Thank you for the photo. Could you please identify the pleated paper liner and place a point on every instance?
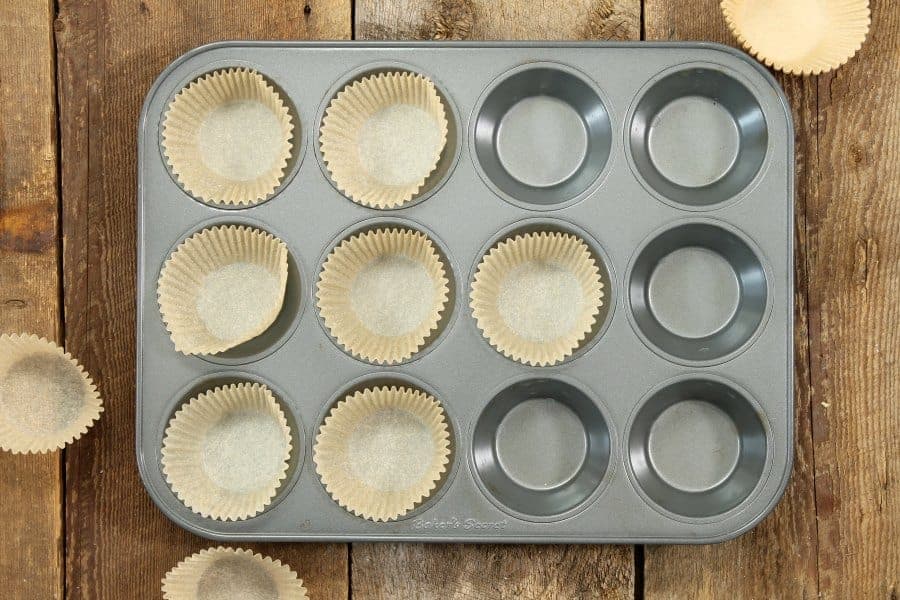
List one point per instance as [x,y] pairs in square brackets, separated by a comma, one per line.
[232,573]
[47,400]
[381,293]
[222,287]
[536,296]
[382,136]
[802,37]
[382,451]
[228,137]
[226,452]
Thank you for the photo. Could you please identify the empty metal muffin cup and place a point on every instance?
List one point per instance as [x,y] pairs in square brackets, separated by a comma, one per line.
[697,447]
[542,135]
[541,448]
[698,136]
[698,292]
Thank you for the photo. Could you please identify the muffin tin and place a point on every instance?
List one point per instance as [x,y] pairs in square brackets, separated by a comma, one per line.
[672,423]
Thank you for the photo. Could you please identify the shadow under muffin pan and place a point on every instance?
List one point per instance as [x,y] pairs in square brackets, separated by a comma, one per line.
[673,161]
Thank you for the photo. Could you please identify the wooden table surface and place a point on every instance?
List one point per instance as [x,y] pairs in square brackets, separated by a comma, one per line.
[78,524]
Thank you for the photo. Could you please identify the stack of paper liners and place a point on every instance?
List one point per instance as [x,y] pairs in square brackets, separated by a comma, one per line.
[802,37]
[226,452]
[227,137]
[222,287]
[232,573]
[536,297]
[381,293]
[47,399]
[382,136]
[382,451]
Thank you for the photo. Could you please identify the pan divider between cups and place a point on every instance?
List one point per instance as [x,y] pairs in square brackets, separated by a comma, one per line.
[697,137]
[541,135]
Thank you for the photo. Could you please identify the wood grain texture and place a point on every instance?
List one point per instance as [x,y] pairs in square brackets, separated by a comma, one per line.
[498,19]
[492,571]
[118,544]
[31,559]
[854,318]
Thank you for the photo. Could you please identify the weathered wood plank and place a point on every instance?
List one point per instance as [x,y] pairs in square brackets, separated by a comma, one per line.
[118,544]
[854,318]
[31,551]
[498,19]
[491,571]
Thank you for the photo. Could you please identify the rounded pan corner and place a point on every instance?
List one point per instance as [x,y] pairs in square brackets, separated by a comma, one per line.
[746,526]
[177,520]
[172,66]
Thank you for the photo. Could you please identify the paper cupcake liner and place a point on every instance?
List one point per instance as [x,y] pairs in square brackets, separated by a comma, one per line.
[529,324]
[226,452]
[783,35]
[222,287]
[47,400]
[231,573]
[379,308]
[378,158]
[238,162]
[382,451]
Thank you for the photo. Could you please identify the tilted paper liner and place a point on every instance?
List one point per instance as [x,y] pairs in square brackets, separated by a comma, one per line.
[373,409]
[246,410]
[47,400]
[183,131]
[219,573]
[799,37]
[344,125]
[187,311]
[342,270]
[567,255]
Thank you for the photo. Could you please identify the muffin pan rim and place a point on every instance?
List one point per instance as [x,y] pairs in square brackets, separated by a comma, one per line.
[298,148]
[307,531]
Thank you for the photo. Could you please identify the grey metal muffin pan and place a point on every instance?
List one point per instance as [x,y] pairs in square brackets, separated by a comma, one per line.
[671,424]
